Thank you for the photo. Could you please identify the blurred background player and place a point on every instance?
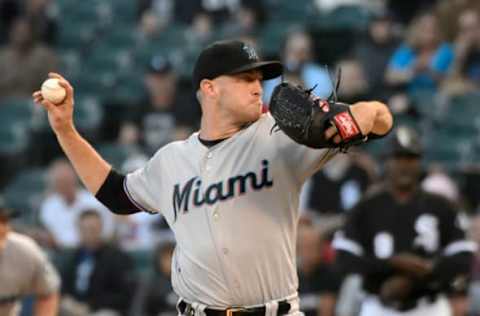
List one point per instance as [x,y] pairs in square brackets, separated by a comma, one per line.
[24,271]
[410,246]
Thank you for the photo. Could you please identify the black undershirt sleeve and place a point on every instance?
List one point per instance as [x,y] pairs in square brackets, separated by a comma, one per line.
[448,270]
[113,195]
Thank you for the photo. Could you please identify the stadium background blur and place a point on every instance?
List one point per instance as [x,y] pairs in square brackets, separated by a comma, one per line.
[130,63]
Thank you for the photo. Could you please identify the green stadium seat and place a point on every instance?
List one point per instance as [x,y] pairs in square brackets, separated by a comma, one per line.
[15,121]
[26,191]
[293,11]
[88,112]
[114,153]
[271,37]
[142,260]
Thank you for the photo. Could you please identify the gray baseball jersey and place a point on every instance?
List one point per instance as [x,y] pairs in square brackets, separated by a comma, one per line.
[24,270]
[233,208]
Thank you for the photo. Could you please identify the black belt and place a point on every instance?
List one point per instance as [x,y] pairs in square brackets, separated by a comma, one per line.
[187,309]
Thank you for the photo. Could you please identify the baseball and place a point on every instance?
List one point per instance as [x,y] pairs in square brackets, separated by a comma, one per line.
[53,91]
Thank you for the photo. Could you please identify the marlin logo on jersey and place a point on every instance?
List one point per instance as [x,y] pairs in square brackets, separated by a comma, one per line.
[191,192]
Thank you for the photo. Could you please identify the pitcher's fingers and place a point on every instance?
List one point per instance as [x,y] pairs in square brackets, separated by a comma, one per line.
[330,132]
[337,139]
[38,100]
[37,94]
[68,88]
[49,106]
[55,75]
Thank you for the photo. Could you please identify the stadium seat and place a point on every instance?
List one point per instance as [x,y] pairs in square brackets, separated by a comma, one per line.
[114,153]
[344,17]
[15,120]
[26,191]
[88,113]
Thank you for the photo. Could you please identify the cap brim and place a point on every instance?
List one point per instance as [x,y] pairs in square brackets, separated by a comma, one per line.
[269,69]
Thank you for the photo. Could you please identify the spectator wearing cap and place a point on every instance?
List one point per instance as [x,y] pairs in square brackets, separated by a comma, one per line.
[24,270]
[166,112]
[297,58]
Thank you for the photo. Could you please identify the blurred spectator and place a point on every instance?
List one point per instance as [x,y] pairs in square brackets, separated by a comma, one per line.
[439,182]
[465,73]
[374,53]
[297,58]
[423,60]
[24,63]
[9,12]
[318,282]
[247,19]
[66,200]
[184,11]
[330,5]
[40,13]
[41,16]
[448,13]
[161,8]
[354,84]
[99,277]
[150,27]
[340,184]
[155,296]
[220,11]
[167,113]
[404,11]
[200,32]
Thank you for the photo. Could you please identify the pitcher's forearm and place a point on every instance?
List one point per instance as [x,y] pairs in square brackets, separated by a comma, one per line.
[89,165]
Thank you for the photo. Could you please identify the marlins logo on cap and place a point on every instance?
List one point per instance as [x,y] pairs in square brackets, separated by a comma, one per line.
[252,54]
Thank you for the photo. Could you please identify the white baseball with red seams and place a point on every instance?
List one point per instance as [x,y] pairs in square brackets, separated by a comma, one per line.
[53,91]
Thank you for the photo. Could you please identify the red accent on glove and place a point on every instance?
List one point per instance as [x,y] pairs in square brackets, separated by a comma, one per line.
[346,125]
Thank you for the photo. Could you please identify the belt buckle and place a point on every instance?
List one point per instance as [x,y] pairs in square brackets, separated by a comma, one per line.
[232,310]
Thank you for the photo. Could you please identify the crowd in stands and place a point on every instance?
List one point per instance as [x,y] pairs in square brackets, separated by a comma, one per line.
[130,63]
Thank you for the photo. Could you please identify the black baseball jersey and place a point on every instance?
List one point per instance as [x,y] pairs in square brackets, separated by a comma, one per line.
[380,227]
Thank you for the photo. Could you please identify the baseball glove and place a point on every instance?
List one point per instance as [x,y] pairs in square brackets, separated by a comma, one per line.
[305,118]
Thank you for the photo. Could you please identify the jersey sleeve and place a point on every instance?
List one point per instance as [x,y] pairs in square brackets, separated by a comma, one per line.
[451,270]
[349,238]
[453,231]
[45,279]
[302,160]
[144,187]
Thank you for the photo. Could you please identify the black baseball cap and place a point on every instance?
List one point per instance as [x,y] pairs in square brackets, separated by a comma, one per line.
[405,143]
[231,57]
